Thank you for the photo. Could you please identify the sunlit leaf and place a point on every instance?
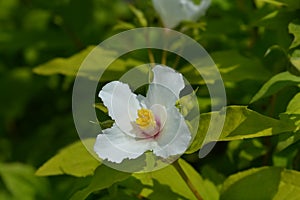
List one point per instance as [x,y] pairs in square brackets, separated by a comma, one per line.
[264,183]
[294,105]
[273,2]
[169,176]
[101,107]
[275,84]
[162,191]
[123,26]
[70,66]
[73,160]
[295,59]
[240,123]
[293,111]
[66,66]
[294,28]
[103,178]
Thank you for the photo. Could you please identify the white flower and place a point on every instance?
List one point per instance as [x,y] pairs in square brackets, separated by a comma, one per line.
[144,123]
[172,12]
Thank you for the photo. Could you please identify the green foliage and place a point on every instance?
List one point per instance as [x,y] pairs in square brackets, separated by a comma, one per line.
[70,66]
[232,70]
[275,84]
[20,183]
[67,162]
[294,105]
[65,66]
[264,183]
[295,60]
[139,15]
[103,178]
[256,47]
[171,177]
[240,68]
[294,28]
[240,123]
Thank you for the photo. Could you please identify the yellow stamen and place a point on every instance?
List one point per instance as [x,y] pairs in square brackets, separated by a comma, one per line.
[146,119]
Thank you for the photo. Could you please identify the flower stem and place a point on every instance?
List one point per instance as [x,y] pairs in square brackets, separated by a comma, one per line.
[187,180]
[164,58]
[151,56]
[177,59]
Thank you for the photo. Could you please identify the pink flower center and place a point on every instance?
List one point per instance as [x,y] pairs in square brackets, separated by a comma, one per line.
[147,123]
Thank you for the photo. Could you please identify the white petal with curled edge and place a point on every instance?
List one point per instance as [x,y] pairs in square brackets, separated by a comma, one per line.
[122,104]
[115,146]
[175,136]
[168,78]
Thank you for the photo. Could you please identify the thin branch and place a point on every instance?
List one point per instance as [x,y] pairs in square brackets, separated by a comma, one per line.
[164,57]
[176,62]
[151,56]
[187,180]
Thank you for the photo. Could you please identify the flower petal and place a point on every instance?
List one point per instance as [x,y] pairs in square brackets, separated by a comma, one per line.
[160,114]
[158,94]
[115,146]
[122,105]
[168,78]
[165,87]
[175,136]
[172,12]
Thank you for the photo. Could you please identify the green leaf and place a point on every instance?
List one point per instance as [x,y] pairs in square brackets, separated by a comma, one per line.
[101,107]
[232,66]
[103,178]
[140,15]
[204,186]
[106,124]
[240,123]
[286,150]
[73,160]
[123,26]
[236,67]
[65,66]
[289,186]
[212,174]
[295,59]
[292,112]
[243,152]
[294,105]
[264,183]
[276,83]
[169,176]
[20,181]
[129,189]
[273,2]
[70,66]
[292,4]
[161,191]
[294,28]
